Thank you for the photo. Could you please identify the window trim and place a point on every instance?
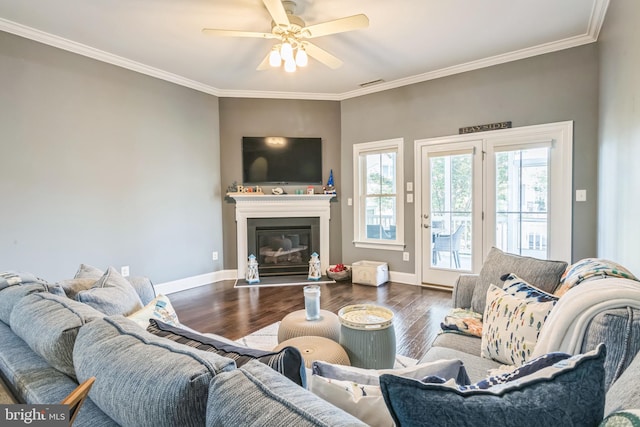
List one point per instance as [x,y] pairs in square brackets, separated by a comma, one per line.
[359,237]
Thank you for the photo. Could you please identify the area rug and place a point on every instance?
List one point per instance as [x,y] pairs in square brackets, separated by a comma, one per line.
[267,338]
[296,280]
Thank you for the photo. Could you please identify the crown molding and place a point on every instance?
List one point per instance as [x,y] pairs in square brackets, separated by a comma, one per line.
[596,20]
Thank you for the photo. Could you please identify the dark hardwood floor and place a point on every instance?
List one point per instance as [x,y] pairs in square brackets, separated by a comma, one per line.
[221,309]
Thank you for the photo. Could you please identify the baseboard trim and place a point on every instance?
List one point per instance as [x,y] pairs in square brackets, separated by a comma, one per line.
[194,281]
[405,278]
[218,276]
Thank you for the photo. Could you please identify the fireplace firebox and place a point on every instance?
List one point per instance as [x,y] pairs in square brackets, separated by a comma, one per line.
[283,246]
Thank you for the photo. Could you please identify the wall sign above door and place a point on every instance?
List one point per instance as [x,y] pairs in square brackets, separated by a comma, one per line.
[484,128]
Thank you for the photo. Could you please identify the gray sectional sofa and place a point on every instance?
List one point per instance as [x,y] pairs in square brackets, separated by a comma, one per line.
[618,328]
[50,343]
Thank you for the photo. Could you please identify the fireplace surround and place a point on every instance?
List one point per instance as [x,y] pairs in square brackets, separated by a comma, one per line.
[281,206]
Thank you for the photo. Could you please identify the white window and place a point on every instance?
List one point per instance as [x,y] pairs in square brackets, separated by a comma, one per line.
[379,205]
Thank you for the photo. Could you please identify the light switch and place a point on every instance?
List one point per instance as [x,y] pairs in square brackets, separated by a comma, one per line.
[349,201]
[410,198]
[409,186]
[581,195]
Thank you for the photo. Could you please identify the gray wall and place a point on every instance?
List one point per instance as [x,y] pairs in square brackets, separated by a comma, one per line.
[104,166]
[619,174]
[549,88]
[278,117]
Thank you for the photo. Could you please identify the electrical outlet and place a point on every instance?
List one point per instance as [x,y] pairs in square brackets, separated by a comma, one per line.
[124,271]
[349,201]
[405,256]
[214,255]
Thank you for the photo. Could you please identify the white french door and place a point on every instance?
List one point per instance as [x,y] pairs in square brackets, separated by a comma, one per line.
[508,188]
[451,206]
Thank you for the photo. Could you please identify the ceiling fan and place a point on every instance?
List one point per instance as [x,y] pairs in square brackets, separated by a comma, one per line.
[293,35]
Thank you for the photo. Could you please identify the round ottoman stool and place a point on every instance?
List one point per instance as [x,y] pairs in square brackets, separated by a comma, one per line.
[296,325]
[317,348]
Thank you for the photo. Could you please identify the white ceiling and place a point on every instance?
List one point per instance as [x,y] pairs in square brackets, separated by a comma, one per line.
[407,41]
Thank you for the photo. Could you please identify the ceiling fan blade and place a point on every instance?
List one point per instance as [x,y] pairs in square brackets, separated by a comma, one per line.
[264,65]
[322,55]
[277,12]
[341,25]
[237,33]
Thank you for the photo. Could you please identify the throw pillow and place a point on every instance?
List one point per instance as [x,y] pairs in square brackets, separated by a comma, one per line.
[111,294]
[357,390]
[544,273]
[568,393]
[442,368]
[288,361]
[589,269]
[71,287]
[512,321]
[463,321]
[86,271]
[159,308]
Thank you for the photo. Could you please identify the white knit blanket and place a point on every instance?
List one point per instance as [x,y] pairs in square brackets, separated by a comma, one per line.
[565,327]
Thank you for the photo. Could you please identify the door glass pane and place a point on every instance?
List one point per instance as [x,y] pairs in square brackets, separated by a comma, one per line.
[522,198]
[451,202]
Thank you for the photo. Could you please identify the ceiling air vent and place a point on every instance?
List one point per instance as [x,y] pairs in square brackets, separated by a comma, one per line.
[371,83]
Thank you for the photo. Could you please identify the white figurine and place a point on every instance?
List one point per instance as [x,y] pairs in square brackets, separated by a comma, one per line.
[314,267]
[252,270]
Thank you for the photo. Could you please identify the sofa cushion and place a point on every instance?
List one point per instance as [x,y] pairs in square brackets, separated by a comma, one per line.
[255,395]
[542,274]
[288,361]
[624,393]
[12,278]
[571,392]
[619,330]
[111,294]
[34,381]
[49,324]
[11,295]
[462,321]
[513,319]
[144,380]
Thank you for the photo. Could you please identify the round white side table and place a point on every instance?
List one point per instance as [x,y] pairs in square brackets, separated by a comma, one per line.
[296,325]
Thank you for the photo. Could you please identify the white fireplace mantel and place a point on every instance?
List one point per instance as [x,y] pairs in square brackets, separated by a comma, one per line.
[281,206]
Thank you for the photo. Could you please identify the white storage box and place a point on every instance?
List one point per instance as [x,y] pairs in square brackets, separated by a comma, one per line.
[370,273]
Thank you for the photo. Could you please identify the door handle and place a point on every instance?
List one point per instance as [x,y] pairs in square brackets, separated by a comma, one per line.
[426,226]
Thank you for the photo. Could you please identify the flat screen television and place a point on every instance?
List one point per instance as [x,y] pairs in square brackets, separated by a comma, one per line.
[281,160]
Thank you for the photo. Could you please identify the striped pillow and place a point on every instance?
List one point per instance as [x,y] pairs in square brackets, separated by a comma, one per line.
[288,361]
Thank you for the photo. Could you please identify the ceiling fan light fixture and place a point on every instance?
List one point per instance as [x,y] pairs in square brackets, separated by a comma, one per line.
[274,58]
[286,51]
[301,58]
[290,65]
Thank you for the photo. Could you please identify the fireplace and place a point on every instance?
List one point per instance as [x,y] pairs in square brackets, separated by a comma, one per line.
[288,207]
[283,246]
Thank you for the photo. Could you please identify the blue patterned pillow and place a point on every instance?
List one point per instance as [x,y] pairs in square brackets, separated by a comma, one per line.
[512,320]
[568,393]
